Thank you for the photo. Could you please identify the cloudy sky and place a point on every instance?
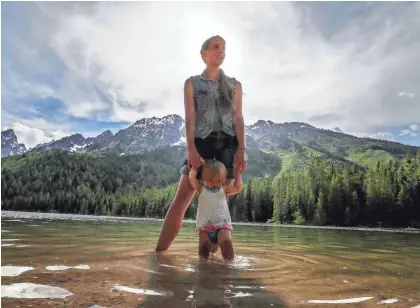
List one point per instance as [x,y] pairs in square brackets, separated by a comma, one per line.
[90,66]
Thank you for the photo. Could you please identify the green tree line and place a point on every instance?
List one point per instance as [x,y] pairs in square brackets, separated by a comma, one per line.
[386,195]
[326,193]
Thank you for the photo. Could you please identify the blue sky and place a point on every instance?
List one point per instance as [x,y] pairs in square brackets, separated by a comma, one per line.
[85,67]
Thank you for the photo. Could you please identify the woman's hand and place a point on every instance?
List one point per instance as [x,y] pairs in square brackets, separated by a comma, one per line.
[239,161]
[194,159]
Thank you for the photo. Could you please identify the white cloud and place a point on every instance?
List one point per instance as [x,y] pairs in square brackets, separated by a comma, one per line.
[407,94]
[380,135]
[36,130]
[415,127]
[31,136]
[405,132]
[43,124]
[383,136]
[135,66]
[413,131]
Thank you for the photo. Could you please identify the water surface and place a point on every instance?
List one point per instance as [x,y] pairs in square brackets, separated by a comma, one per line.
[108,262]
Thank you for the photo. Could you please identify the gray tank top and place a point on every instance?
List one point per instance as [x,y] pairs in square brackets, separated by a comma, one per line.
[211,112]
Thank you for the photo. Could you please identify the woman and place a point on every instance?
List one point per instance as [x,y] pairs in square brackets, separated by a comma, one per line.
[214,129]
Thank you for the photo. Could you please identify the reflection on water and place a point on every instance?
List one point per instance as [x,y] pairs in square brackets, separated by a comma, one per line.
[111,264]
[211,283]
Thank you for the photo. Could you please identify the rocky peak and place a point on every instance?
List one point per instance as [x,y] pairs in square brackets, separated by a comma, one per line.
[10,145]
[70,143]
[106,135]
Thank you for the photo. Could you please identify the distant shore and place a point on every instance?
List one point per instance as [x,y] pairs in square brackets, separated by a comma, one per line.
[68,216]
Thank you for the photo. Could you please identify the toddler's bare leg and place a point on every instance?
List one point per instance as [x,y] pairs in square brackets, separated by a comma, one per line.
[224,238]
[204,245]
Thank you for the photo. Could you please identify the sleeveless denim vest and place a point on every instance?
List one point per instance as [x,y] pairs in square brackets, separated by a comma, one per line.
[208,103]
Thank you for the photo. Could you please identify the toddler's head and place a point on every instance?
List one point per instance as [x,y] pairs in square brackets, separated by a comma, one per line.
[213,173]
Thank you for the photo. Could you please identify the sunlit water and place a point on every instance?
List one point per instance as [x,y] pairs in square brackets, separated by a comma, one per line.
[109,263]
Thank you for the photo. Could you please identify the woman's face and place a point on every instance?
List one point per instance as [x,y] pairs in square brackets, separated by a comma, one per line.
[215,53]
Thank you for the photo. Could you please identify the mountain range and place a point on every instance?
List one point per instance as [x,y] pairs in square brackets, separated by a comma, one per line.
[293,141]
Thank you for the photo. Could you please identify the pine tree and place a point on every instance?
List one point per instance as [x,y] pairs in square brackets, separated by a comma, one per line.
[248,197]
[320,213]
[335,209]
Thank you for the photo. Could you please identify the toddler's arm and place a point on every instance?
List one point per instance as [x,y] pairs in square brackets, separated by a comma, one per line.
[236,188]
[194,181]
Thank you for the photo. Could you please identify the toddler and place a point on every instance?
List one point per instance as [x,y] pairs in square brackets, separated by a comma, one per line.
[213,218]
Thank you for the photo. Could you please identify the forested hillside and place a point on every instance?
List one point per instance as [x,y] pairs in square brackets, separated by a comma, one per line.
[324,190]
[99,183]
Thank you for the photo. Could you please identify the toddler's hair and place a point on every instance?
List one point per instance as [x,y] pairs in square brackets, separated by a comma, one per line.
[213,167]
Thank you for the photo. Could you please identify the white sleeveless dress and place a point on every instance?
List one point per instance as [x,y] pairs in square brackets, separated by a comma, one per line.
[213,211]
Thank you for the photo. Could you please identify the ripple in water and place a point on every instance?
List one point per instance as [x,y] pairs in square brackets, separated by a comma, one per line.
[242,262]
[141,291]
[240,294]
[340,301]
[65,267]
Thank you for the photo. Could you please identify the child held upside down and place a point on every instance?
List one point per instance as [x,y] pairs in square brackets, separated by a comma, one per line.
[213,220]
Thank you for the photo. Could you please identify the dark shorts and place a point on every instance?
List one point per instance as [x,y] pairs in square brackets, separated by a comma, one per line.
[219,146]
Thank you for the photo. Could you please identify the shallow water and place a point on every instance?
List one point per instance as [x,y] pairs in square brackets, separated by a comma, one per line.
[108,263]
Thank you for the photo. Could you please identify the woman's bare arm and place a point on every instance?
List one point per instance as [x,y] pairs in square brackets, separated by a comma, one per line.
[238,117]
[189,107]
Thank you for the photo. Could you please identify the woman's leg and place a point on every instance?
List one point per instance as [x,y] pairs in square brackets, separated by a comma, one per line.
[175,215]
[224,238]
[226,156]
[184,194]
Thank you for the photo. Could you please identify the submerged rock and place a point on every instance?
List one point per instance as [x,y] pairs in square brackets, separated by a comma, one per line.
[13,271]
[32,290]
